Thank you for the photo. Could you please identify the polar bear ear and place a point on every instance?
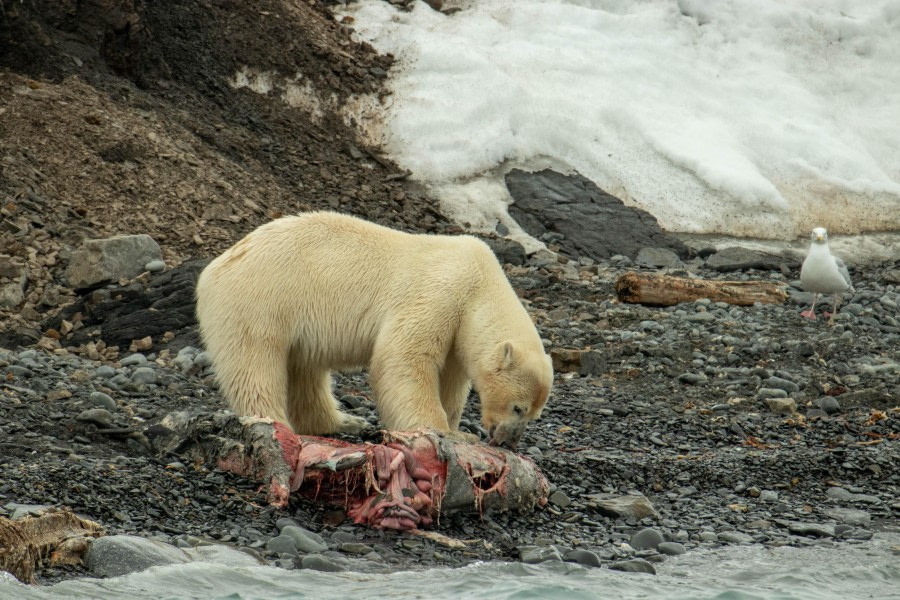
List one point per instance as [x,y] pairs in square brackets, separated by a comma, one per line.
[506,352]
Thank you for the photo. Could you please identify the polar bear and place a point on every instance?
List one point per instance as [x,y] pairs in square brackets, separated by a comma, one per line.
[430,316]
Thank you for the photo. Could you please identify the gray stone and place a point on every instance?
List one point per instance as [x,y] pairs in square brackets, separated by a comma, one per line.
[635,506]
[136,359]
[768,496]
[735,537]
[282,544]
[584,557]
[647,539]
[317,562]
[98,416]
[111,259]
[812,529]
[708,536]
[17,511]
[104,372]
[12,294]
[560,499]
[10,267]
[203,360]
[850,516]
[144,375]
[507,251]
[765,393]
[838,493]
[635,565]
[306,541]
[155,266]
[356,548]
[658,258]
[692,378]
[103,400]
[828,404]
[591,222]
[781,384]
[116,555]
[736,258]
[782,406]
[537,554]
[671,548]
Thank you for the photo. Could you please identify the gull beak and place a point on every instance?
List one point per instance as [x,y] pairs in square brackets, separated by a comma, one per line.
[820,238]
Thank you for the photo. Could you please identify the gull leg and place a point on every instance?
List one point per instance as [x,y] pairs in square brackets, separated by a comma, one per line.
[811,314]
[836,302]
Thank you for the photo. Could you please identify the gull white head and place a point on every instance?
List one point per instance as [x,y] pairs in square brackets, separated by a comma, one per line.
[819,235]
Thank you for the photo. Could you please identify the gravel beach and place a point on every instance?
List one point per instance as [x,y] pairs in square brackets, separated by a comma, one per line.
[669,429]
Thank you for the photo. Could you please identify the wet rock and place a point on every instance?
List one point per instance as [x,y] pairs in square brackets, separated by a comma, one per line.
[828,404]
[282,544]
[782,406]
[537,554]
[317,562]
[305,540]
[507,251]
[590,222]
[671,548]
[116,555]
[111,259]
[812,529]
[593,363]
[12,294]
[98,416]
[584,557]
[560,499]
[647,538]
[635,565]
[850,516]
[735,537]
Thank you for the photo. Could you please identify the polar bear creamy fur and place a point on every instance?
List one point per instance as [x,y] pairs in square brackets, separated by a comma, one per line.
[429,315]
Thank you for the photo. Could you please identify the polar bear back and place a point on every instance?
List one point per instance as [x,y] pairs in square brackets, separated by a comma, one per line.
[325,283]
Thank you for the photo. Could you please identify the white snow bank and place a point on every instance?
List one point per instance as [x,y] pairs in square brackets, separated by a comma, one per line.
[758,118]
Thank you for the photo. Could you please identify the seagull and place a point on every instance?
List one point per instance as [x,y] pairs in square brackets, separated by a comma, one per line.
[823,273]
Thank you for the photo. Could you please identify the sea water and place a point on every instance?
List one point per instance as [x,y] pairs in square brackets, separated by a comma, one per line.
[830,571]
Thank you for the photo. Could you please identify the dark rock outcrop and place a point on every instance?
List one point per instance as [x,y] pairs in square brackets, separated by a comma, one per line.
[586,220]
[134,311]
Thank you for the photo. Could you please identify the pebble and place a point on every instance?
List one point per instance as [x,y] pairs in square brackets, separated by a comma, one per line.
[134,360]
[282,544]
[635,565]
[317,562]
[305,540]
[537,554]
[584,557]
[671,548]
[144,375]
[103,400]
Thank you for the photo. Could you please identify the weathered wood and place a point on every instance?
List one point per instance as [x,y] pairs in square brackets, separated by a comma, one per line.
[666,290]
[402,483]
[56,534]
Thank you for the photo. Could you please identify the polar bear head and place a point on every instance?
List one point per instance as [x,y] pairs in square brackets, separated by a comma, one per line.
[513,391]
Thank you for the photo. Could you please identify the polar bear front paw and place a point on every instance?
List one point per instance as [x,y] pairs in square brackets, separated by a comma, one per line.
[352,424]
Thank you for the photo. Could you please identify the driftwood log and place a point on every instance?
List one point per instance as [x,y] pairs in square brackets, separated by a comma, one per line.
[666,290]
[402,483]
[57,535]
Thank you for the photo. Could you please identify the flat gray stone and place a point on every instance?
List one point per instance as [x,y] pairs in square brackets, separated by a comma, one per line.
[111,259]
[671,548]
[782,406]
[282,544]
[737,258]
[850,516]
[735,537]
[317,562]
[812,529]
[658,258]
[584,557]
[116,555]
[635,506]
[635,565]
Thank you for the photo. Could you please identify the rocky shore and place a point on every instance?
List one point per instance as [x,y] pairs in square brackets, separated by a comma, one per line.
[669,429]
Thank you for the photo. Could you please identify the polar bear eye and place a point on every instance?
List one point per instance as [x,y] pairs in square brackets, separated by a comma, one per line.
[518,410]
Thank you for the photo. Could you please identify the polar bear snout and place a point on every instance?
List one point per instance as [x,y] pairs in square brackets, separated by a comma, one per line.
[507,435]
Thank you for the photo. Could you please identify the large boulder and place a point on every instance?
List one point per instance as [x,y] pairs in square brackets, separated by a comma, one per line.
[582,219]
[119,257]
